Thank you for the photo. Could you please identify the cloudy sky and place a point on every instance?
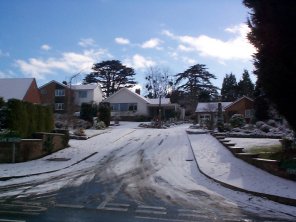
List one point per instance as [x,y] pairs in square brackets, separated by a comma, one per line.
[53,40]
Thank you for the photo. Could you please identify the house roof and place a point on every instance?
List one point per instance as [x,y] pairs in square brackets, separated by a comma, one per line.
[210,107]
[15,88]
[164,101]
[127,90]
[53,81]
[239,99]
[84,87]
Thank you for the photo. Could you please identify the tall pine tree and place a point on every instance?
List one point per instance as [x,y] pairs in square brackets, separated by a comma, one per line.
[245,86]
[229,91]
[112,76]
[195,82]
[272,25]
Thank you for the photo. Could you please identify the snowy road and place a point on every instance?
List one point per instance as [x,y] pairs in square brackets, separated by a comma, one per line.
[134,174]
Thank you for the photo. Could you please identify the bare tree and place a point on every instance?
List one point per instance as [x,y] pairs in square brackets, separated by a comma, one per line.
[159,82]
[159,85]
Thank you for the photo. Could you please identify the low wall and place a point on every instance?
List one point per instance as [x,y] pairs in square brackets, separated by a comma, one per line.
[271,166]
[30,149]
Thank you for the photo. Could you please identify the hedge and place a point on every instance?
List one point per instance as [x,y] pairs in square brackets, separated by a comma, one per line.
[26,118]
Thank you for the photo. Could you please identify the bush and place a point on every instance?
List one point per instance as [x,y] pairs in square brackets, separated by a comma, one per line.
[237,120]
[259,123]
[79,132]
[87,112]
[104,112]
[271,122]
[100,125]
[265,128]
[25,118]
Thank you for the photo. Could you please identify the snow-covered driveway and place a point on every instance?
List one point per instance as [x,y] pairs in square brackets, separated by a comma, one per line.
[142,166]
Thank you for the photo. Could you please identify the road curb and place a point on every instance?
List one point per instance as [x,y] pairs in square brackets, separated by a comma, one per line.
[279,199]
[37,174]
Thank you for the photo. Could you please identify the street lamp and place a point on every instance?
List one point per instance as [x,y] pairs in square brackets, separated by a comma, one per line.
[70,97]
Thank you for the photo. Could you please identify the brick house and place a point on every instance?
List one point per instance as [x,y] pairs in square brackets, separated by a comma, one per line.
[57,95]
[243,106]
[208,111]
[24,89]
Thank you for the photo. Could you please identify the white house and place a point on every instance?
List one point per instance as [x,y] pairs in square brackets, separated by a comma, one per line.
[127,103]
[90,93]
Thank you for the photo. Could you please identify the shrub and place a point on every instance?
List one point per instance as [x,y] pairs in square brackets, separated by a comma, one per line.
[265,128]
[271,122]
[104,112]
[79,132]
[237,120]
[25,118]
[87,112]
[100,125]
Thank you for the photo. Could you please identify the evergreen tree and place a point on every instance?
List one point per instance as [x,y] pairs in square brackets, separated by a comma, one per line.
[272,25]
[112,76]
[229,88]
[261,104]
[194,81]
[245,86]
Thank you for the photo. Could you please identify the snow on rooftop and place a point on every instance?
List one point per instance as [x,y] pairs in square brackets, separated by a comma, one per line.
[14,88]
[210,107]
[84,87]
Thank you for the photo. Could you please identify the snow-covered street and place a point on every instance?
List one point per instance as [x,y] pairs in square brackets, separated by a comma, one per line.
[132,165]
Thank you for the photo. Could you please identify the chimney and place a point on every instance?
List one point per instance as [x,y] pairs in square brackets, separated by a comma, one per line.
[138,91]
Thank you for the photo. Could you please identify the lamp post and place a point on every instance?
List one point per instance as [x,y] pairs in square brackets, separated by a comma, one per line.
[70,98]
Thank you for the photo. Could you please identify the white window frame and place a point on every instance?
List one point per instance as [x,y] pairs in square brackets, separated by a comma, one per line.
[59,92]
[248,113]
[59,106]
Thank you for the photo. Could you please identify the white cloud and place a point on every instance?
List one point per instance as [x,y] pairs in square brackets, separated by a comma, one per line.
[189,61]
[69,62]
[151,43]
[168,33]
[234,48]
[185,48]
[122,41]
[88,42]
[45,47]
[139,62]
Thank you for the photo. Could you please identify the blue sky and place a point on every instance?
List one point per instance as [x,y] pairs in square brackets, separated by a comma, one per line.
[55,39]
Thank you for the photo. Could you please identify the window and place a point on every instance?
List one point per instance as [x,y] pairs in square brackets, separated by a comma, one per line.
[123,107]
[59,92]
[204,118]
[82,94]
[59,106]
[132,107]
[43,91]
[114,106]
[249,113]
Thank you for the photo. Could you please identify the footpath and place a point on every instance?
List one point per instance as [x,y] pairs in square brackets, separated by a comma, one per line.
[218,163]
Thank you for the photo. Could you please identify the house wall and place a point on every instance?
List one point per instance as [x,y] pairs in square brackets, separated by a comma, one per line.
[48,96]
[33,94]
[88,99]
[128,97]
[239,108]
[93,95]
[98,94]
